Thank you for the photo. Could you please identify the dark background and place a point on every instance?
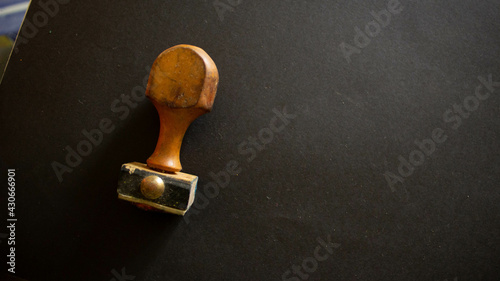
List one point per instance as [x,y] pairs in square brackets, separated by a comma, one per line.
[323,175]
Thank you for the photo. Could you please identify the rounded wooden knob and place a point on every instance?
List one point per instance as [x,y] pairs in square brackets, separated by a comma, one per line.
[182,86]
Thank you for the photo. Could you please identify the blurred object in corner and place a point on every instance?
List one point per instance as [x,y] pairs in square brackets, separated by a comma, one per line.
[5,46]
[11,17]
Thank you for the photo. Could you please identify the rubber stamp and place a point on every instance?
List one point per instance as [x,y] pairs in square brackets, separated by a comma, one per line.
[182,86]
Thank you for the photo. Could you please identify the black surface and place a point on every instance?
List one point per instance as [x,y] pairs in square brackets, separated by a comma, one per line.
[321,177]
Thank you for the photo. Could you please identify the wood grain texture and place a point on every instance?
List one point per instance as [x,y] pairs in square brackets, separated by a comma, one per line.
[182,86]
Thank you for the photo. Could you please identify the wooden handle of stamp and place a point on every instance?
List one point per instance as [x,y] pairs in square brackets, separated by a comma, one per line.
[182,86]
